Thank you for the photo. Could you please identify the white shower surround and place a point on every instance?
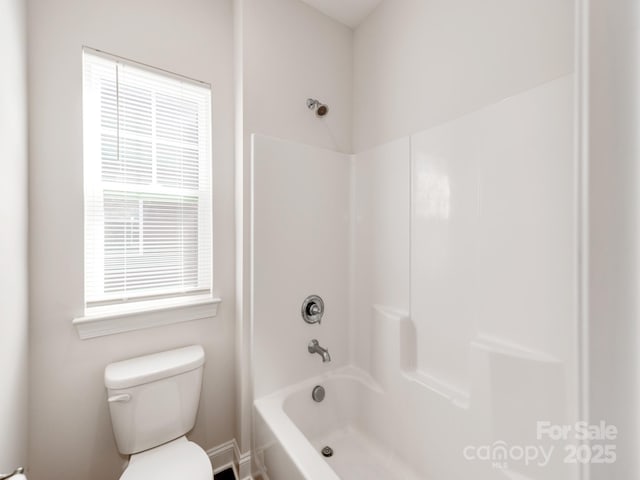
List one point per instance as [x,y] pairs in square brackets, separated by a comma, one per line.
[300,241]
[441,388]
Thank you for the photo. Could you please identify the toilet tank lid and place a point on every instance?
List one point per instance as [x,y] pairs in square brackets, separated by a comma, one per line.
[149,368]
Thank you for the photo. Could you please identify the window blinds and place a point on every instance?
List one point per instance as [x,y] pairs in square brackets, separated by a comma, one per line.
[147,160]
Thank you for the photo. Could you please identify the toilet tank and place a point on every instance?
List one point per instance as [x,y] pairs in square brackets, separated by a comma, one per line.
[154,399]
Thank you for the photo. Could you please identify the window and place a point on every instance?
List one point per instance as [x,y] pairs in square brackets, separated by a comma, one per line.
[147,160]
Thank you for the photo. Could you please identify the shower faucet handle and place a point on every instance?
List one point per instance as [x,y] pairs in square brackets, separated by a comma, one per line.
[312,309]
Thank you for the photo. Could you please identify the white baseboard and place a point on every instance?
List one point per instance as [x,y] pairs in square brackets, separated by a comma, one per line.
[227,455]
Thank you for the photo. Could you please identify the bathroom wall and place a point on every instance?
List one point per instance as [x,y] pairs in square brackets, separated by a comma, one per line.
[492,289]
[300,245]
[292,52]
[70,430]
[611,141]
[493,248]
[14,240]
[419,63]
[380,239]
[286,53]
[480,131]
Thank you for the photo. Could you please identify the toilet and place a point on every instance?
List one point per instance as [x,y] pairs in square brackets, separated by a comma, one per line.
[153,402]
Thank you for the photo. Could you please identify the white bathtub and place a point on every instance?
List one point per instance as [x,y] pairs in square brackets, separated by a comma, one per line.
[402,423]
[292,429]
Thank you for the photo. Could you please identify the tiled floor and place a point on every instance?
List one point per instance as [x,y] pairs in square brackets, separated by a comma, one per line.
[225,475]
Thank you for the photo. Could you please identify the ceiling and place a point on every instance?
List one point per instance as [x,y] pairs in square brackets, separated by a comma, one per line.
[348,12]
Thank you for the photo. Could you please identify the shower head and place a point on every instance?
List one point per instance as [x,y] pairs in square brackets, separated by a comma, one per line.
[320,108]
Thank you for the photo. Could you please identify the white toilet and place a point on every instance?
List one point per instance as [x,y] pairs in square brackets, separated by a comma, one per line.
[153,402]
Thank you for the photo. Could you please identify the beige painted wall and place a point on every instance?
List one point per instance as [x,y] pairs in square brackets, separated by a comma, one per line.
[292,52]
[70,435]
[13,239]
[419,63]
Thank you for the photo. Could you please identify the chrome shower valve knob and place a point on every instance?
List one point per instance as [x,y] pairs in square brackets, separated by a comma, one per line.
[312,309]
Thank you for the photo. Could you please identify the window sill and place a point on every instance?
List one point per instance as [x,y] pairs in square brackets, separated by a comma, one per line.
[110,323]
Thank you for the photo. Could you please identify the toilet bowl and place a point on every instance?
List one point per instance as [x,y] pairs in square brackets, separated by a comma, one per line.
[153,401]
[177,459]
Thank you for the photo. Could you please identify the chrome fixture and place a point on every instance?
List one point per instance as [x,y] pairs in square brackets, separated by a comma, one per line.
[312,309]
[17,471]
[314,347]
[320,108]
[327,451]
[318,393]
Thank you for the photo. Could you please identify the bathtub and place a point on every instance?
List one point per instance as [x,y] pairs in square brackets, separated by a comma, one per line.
[292,429]
[395,422]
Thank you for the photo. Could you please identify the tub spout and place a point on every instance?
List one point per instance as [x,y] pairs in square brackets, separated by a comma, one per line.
[314,347]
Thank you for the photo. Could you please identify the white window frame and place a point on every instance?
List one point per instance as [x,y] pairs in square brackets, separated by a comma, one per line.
[108,319]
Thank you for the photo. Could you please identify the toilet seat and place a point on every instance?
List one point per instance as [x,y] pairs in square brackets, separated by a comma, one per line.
[178,459]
